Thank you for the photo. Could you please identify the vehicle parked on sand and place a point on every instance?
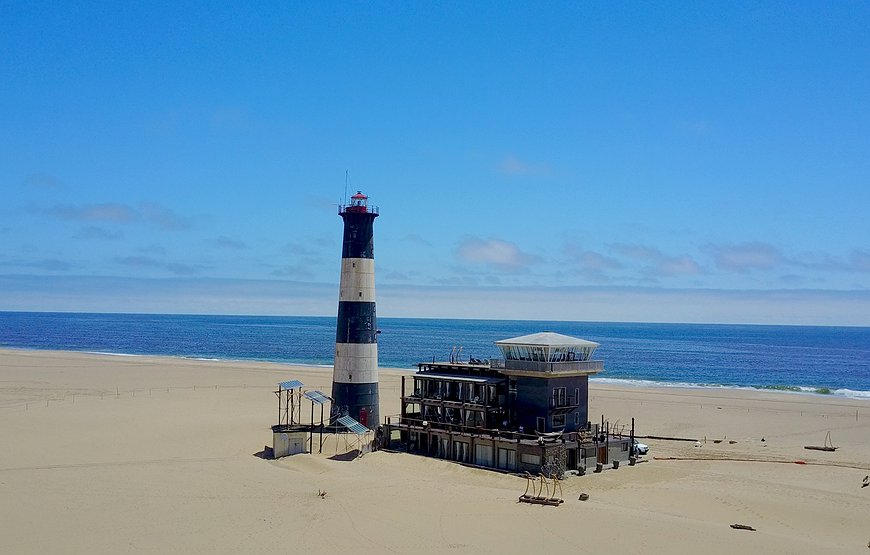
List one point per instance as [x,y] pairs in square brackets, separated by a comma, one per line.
[639,448]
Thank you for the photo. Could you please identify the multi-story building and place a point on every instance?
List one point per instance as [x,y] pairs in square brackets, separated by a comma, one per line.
[526,412]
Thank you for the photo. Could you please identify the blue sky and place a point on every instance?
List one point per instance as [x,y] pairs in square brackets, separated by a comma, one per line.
[577,161]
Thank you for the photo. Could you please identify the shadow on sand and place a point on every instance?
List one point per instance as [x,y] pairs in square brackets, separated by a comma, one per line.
[349,456]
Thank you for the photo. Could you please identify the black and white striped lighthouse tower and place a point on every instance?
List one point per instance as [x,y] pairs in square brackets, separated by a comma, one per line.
[355,374]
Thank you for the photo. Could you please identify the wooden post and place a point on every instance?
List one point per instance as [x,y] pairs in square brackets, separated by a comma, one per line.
[311,432]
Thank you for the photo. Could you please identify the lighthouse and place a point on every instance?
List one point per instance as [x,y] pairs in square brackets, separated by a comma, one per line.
[355,373]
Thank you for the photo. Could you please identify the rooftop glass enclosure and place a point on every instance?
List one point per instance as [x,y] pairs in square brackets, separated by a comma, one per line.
[547,347]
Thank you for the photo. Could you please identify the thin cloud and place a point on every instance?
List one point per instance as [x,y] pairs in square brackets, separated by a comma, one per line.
[658,263]
[176,268]
[163,217]
[860,261]
[322,240]
[495,253]
[296,272]
[152,249]
[594,266]
[591,260]
[231,119]
[119,213]
[41,180]
[92,232]
[111,212]
[415,238]
[138,261]
[700,128]
[295,249]
[397,276]
[224,242]
[745,257]
[52,265]
[512,165]
[457,281]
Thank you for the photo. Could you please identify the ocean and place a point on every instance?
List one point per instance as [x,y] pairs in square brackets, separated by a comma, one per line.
[800,359]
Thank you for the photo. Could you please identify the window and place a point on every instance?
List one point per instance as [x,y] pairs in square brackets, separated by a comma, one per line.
[558,420]
[576,418]
[559,397]
[530,458]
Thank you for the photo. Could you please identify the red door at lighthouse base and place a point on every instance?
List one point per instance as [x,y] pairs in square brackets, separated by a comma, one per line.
[364,417]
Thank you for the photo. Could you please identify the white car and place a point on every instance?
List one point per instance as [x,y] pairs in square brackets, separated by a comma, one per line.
[640,448]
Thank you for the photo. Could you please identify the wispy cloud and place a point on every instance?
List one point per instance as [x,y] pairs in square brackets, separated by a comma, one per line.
[93,232]
[592,265]
[697,127]
[152,249]
[52,265]
[745,257]
[860,261]
[232,119]
[299,271]
[41,180]
[295,249]
[659,264]
[175,268]
[119,213]
[163,217]
[224,242]
[512,165]
[495,253]
[416,239]
[110,212]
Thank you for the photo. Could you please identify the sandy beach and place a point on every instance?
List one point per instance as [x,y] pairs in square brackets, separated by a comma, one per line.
[108,454]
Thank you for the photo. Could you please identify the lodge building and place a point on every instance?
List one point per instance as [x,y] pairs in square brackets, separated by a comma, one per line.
[528,411]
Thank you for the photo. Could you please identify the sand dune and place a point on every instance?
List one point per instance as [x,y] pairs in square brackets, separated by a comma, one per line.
[120,454]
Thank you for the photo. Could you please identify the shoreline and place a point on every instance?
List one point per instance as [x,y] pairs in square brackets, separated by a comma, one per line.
[597,382]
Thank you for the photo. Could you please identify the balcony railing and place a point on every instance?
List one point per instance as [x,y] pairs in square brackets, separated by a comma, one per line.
[574,366]
[342,208]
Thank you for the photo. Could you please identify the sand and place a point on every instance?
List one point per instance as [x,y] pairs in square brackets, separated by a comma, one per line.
[109,454]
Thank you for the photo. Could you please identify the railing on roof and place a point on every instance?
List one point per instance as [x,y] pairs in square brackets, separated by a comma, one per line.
[586,433]
[353,208]
[590,366]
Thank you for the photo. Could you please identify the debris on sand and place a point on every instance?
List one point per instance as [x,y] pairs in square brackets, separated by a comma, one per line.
[743,527]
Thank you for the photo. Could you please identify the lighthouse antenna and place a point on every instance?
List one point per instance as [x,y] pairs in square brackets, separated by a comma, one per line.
[345,186]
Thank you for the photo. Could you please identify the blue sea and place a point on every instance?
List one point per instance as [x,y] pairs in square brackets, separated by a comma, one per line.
[802,359]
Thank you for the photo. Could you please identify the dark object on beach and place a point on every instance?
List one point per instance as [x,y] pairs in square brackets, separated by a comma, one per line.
[731,441]
[538,485]
[742,527]
[864,484]
[583,497]
[828,446]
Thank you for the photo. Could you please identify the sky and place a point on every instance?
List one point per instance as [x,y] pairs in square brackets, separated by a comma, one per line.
[654,162]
